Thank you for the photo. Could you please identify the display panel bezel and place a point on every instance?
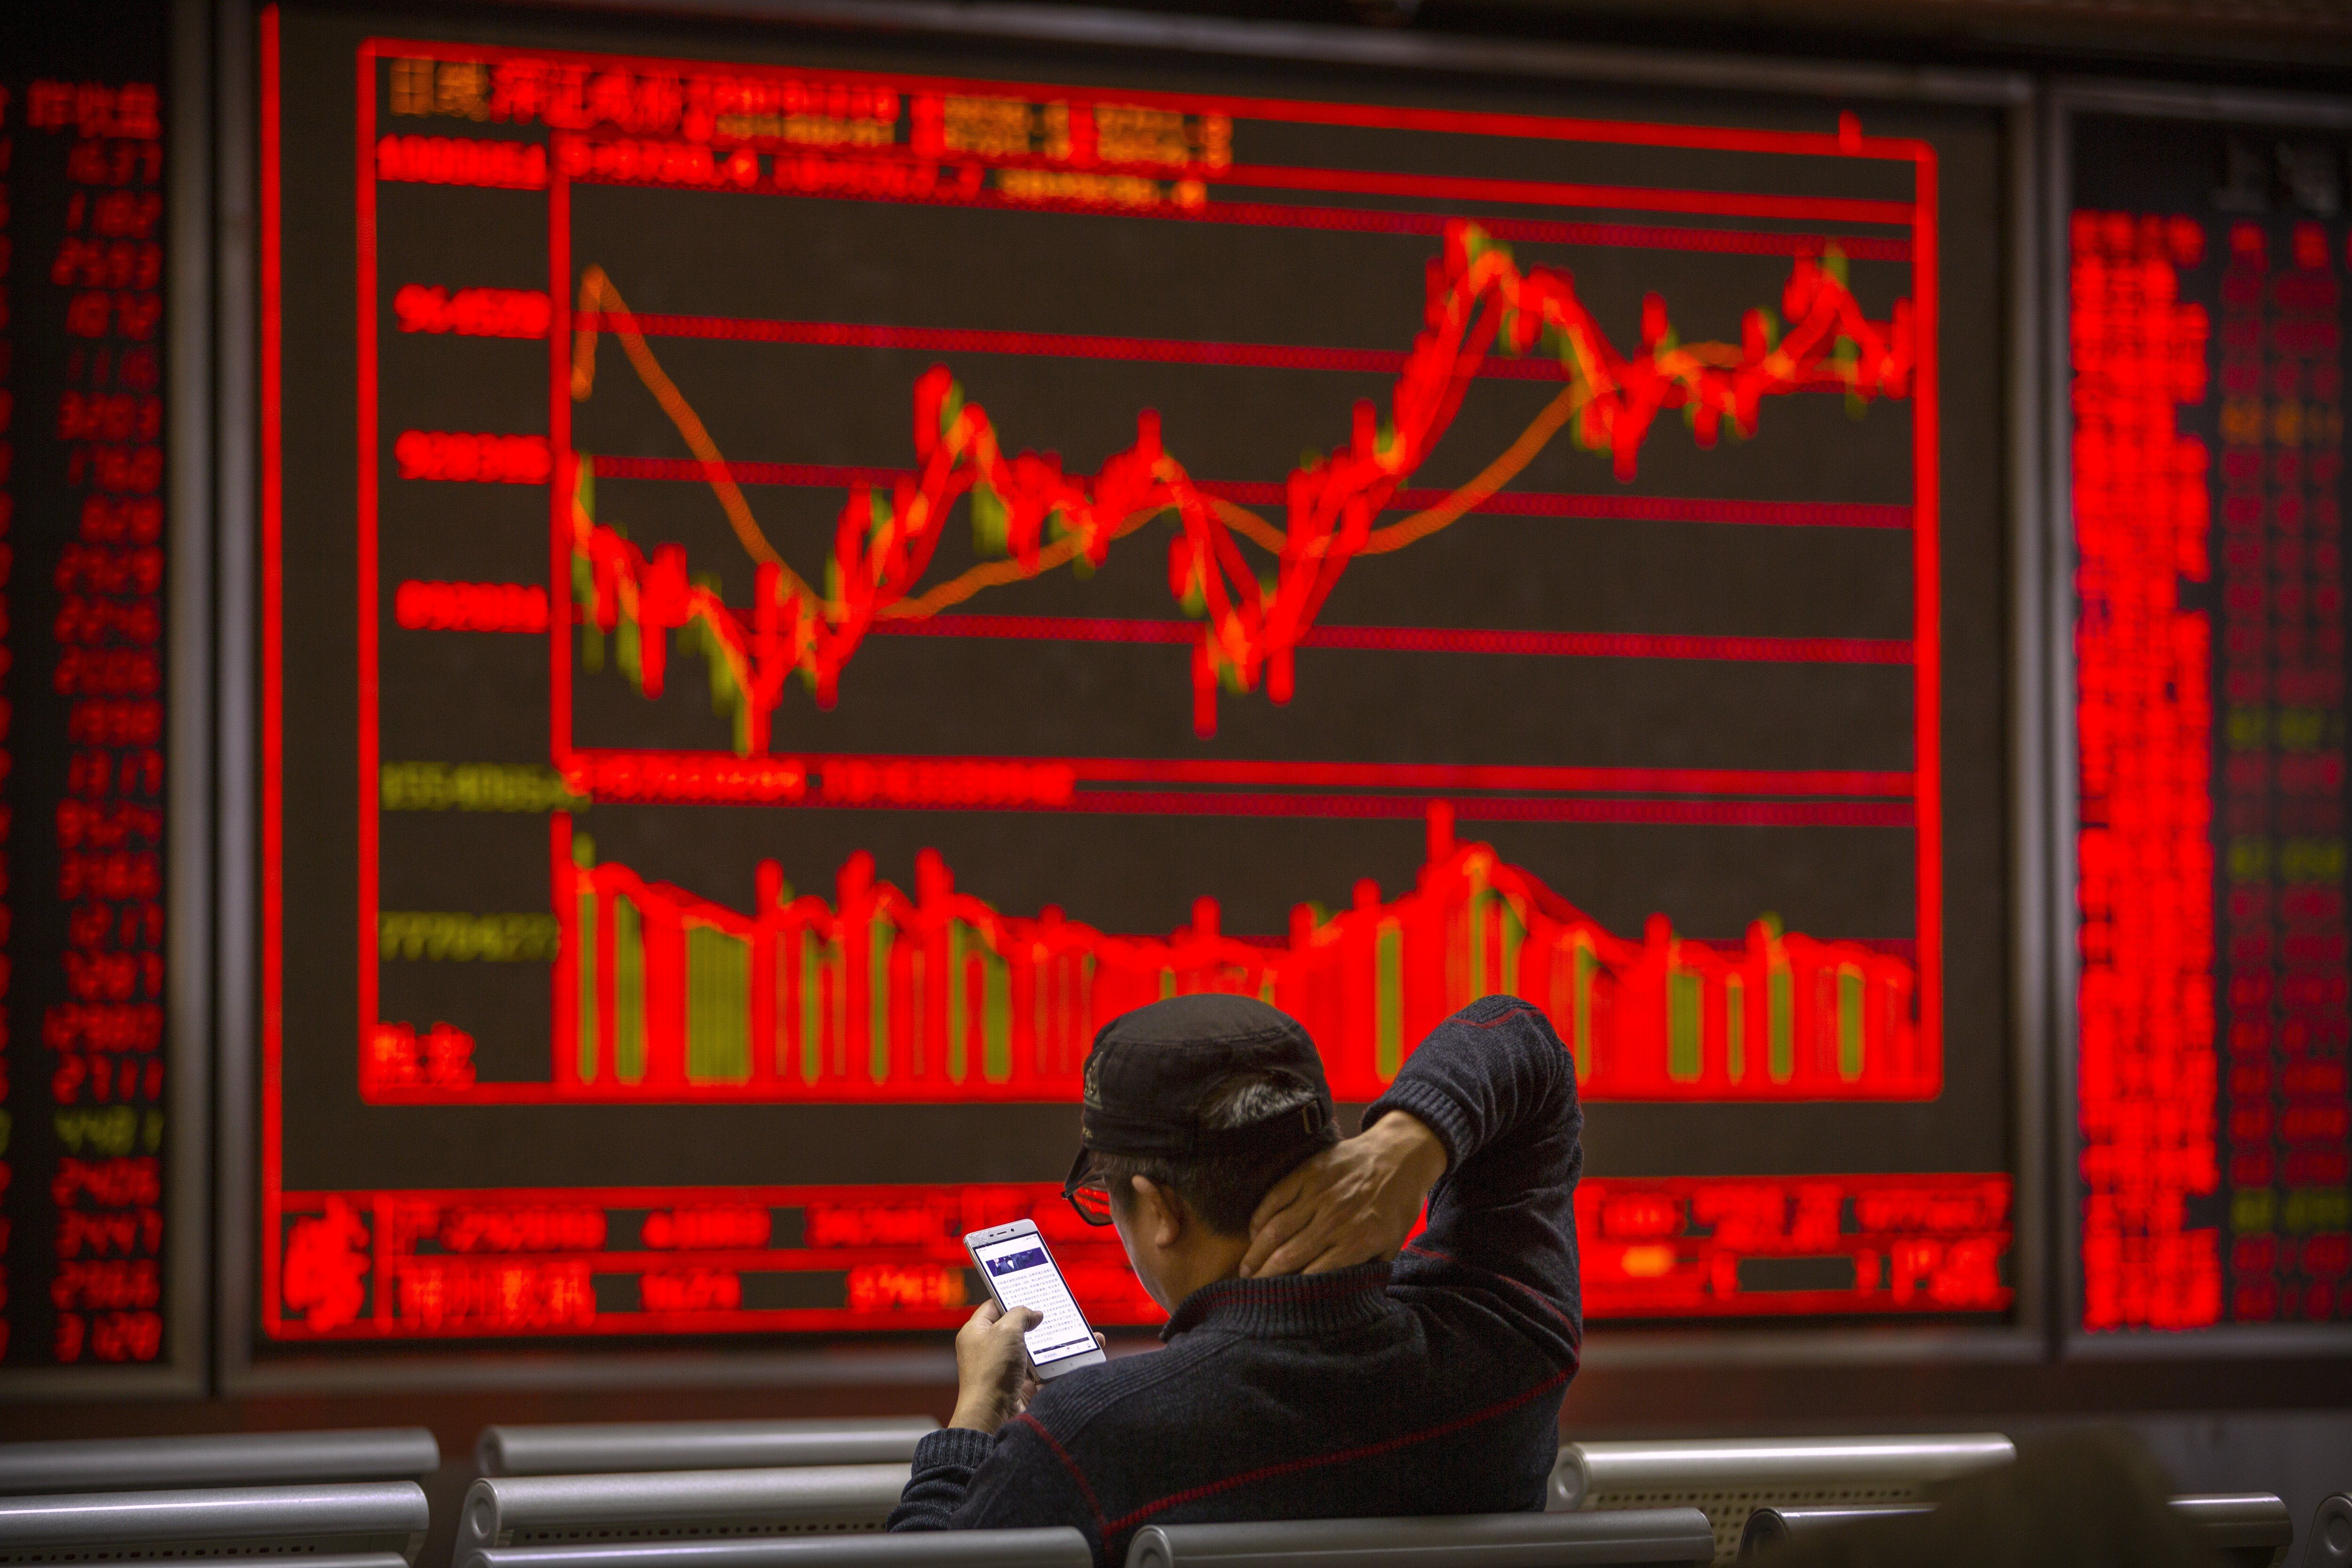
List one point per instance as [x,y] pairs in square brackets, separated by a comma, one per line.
[2021,1338]
[181,1366]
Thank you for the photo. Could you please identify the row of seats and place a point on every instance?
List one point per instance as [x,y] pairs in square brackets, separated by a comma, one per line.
[411,1453]
[814,1494]
[2244,1530]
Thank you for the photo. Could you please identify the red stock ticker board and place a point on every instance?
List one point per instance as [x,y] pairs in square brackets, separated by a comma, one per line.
[90,1233]
[2209,492]
[861,578]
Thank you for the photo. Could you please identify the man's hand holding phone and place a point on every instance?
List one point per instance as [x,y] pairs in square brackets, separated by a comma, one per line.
[993,1380]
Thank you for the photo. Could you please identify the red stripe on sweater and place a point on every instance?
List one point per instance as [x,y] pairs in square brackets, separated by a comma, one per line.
[1548,1304]
[1070,1465]
[1289,1466]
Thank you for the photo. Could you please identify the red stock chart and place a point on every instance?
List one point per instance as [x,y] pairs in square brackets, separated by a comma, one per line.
[848,580]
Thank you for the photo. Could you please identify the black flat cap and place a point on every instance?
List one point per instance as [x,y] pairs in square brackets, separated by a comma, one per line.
[1151,1070]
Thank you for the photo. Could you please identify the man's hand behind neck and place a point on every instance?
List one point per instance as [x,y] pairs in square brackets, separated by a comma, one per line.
[1355,1202]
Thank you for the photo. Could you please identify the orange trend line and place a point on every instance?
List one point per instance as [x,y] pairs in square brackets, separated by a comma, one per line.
[597,291]
[1039,518]
[1493,476]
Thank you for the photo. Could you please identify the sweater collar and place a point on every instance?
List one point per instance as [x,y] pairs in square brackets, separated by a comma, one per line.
[1288,1305]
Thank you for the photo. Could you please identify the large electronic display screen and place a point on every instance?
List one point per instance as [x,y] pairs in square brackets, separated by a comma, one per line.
[2207,267]
[799,579]
[88,1219]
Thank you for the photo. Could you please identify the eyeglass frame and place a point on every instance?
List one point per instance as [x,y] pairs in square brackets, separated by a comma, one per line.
[1079,1181]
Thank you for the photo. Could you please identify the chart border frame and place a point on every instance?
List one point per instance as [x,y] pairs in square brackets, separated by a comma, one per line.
[1926,793]
[245,1366]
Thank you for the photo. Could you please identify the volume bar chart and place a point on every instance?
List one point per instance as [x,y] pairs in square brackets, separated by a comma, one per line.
[883,996]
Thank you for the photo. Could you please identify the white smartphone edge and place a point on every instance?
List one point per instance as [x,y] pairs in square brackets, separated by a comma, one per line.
[974,1241]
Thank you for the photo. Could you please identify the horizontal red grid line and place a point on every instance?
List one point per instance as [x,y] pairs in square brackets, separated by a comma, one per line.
[313,1200]
[1531,230]
[1446,779]
[1478,808]
[1612,644]
[1065,345]
[1562,194]
[1341,220]
[1260,492]
[1903,947]
[1636,509]
[1607,1298]
[613,1093]
[1391,220]
[1453,189]
[747,1261]
[717,1320]
[1429,639]
[1546,128]
[1062,346]
[1452,776]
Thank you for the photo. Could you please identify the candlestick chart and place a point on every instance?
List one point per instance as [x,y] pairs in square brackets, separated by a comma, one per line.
[861,578]
[1026,508]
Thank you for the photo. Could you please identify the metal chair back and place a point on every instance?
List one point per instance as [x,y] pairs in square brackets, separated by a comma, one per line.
[675,1505]
[2329,1543]
[1057,1548]
[340,1518]
[1727,1479]
[223,1459]
[1441,1540]
[2244,1530]
[609,1447]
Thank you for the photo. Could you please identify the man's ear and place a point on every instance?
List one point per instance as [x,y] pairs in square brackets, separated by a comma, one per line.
[1161,1212]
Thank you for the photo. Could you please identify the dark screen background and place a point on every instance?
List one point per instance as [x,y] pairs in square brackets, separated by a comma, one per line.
[872,261]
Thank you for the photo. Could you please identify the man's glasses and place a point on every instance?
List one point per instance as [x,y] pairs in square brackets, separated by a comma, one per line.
[1092,1203]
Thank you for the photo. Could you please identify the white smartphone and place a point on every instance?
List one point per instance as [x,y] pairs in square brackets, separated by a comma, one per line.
[1021,1273]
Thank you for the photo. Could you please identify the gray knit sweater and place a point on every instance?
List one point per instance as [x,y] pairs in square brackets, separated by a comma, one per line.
[1431,1386]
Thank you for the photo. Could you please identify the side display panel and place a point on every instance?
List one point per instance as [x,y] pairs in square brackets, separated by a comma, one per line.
[2207,273]
[85,1220]
[797,589]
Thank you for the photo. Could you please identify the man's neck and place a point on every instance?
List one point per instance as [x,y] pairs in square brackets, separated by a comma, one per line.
[1209,1258]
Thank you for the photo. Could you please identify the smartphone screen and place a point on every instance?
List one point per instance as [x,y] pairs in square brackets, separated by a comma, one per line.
[1023,1275]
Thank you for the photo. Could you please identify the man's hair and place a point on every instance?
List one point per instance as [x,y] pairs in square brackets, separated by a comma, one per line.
[1223,1189]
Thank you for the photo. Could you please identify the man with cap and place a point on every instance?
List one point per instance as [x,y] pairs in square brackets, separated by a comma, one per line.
[1309,1370]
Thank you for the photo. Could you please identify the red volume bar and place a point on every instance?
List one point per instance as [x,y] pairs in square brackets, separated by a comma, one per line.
[1027,507]
[938,997]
